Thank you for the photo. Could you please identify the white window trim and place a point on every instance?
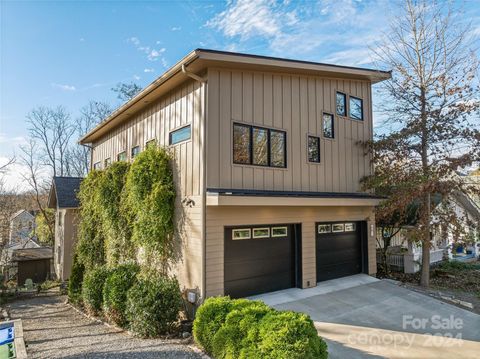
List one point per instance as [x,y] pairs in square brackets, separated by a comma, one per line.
[338,231]
[263,235]
[241,229]
[280,235]
[329,230]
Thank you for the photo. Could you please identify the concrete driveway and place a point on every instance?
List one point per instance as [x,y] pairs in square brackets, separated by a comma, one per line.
[363,317]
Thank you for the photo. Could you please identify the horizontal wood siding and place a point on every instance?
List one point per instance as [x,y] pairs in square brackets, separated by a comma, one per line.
[218,218]
[180,107]
[295,104]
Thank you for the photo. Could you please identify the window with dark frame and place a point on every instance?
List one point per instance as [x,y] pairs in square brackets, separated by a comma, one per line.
[253,145]
[97,165]
[313,149]
[180,135]
[356,108]
[135,151]
[341,104]
[107,162]
[122,156]
[328,125]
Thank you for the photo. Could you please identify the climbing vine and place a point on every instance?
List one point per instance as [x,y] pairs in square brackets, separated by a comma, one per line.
[129,209]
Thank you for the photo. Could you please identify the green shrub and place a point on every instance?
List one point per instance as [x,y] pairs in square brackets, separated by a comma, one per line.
[153,305]
[285,335]
[92,289]
[236,333]
[75,281]
[458,266]
[118,282]
[246,329]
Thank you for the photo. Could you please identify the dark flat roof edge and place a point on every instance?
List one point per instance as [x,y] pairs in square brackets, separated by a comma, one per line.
[262,193]
[231,53]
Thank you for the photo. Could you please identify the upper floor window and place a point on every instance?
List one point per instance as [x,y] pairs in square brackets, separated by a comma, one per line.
[356,108]
[341,104]
[150,143]
[259,146]
[182,134]
[122,156]
[313,149]
[97,165]
[328,126]
[107,162]
[135,151]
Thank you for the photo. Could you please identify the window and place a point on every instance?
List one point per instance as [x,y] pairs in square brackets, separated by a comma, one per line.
[279,231]
[107,162]
[349,227]
[313,149]
[356,108]
[122,156]
[97,165]
[182,134]
[324,228]
[259,146]
[241,144]
[135,151]
[151,143]
[338,227]
[261,232]
[241,234]
[341,104]
[328,131]
[277,146]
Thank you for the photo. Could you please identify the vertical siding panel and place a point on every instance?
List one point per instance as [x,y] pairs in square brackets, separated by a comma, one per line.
[237,107]
[247,116]
[303,132]
[258,173]
[323,142]
[268,121]
[278,176]
[313,128]
[296,137]
[225,88]
[213,129]
[287,119]
[331,146]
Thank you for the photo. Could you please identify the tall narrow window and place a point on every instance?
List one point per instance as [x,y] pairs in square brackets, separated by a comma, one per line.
[313,149]
[135,151]
[241,144]
[328,129]
[97,165]
[341,104]
[356,108]
[107,162]
[277,146]
[180,135]
[122,156]
[260,146]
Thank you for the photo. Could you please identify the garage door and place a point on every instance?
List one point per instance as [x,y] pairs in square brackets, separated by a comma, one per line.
[339,249]
[258,259]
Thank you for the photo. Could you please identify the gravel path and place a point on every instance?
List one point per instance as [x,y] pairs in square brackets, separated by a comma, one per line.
[52,329]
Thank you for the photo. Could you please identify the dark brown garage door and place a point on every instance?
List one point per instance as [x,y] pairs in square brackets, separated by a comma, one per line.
[339,249]
[258,259]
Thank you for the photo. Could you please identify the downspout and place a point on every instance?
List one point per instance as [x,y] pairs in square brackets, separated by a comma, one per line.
[203,81]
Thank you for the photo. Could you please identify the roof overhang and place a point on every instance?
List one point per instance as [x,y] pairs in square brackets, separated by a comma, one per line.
[278,198]
[199,60]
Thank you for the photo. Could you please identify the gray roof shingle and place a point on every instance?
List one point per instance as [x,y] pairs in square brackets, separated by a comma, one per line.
[65,190]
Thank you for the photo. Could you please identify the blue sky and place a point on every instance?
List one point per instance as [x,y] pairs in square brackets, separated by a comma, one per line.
[69,52]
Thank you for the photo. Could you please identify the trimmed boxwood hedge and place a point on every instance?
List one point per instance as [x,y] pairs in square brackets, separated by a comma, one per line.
[153,305]
[240,328]
[92,289]
[118,282]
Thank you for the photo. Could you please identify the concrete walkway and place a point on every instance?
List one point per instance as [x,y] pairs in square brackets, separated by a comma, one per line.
[52,329]
[368,318]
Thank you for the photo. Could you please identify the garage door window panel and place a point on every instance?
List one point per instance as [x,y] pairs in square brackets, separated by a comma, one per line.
[279,232]
[238,234]
[338,227]
[261,233]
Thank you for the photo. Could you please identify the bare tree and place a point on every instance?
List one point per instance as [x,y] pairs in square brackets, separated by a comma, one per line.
[36,180]
[126,91]
[53,130]
[431,103]
[90,116]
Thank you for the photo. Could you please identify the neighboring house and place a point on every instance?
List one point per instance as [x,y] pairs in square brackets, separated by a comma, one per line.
[9,268]
[22,225]
[63,198]
[406,255]
[267,165]
[33,263]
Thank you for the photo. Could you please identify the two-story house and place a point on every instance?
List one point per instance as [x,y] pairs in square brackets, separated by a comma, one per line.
[267,166]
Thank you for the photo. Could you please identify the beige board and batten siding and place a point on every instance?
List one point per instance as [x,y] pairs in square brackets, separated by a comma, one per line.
[293,103]
[219,217]
[182,106]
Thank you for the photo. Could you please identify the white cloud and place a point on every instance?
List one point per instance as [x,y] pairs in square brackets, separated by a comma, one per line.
[16,140]
[176,28]
[64,87]
[149,70]
[136,77]
[152,53]
[81,39]
[13,178]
